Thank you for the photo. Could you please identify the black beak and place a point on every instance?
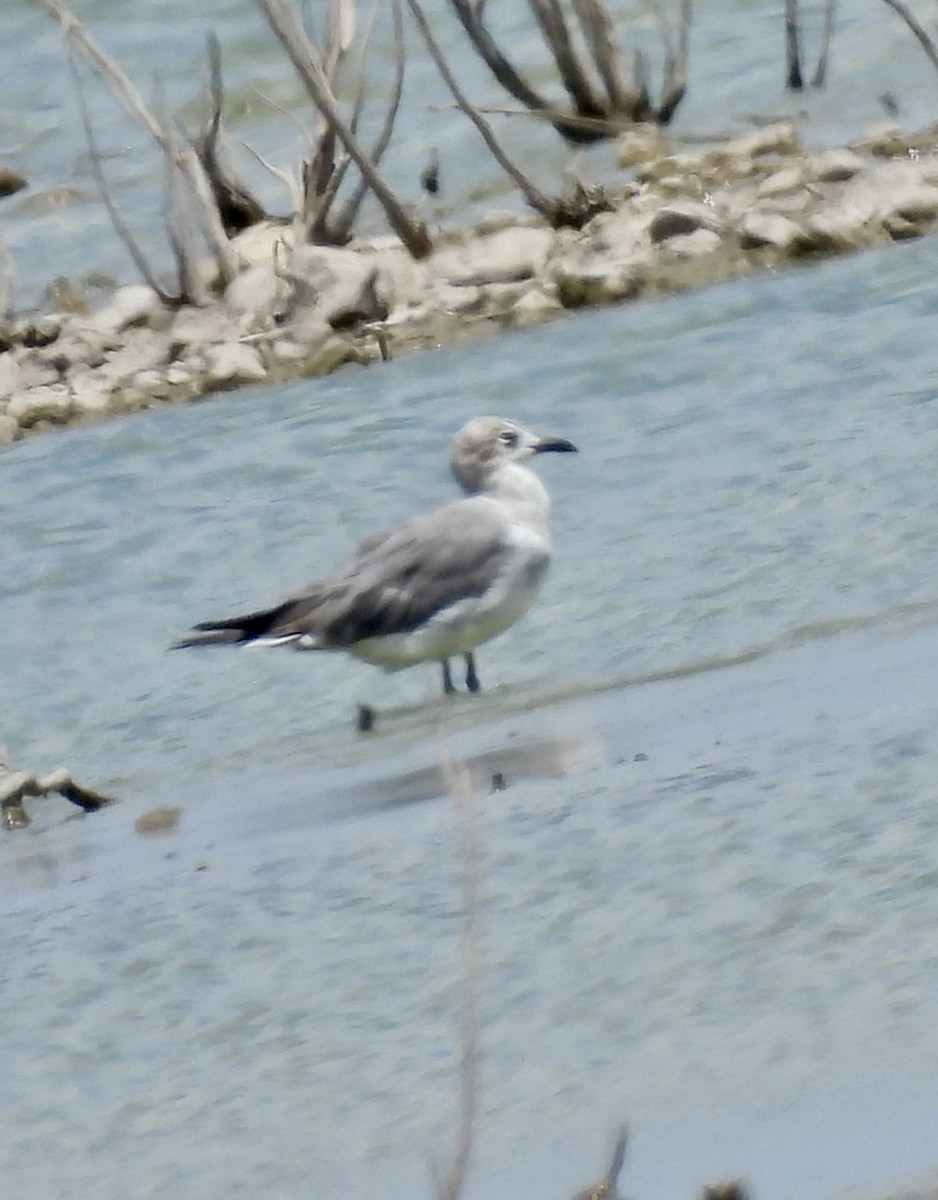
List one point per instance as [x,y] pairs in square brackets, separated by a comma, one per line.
[561,445]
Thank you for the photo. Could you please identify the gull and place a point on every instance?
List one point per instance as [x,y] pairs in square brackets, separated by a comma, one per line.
[438,585]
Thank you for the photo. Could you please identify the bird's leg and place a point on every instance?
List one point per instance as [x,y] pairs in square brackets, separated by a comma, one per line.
[365,718]
[472,679]
[448,686]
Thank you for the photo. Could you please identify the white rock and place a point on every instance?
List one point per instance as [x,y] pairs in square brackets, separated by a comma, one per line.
[779,138]
[675,220]
[915,204]
[259,245]
[506,256]
[780,183]
[232,363]
[11,376]
[256,297]
[150,383]
[176,375]
[760,228]
[9,429]
[585,281]
[535,305]
[143,350]
[35,371]
[198,327]
[835,166]
[91,396]
[401,279]
[136,304]
[316,270]
[623,234]
[693,245]
[53,404]
[836,229]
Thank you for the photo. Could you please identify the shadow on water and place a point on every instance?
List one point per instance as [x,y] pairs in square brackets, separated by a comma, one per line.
[666,724]
[526,734]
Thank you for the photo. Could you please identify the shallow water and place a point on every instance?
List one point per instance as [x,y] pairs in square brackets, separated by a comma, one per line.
[710,890]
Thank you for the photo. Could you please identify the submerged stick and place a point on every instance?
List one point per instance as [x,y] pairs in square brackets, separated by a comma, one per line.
[459,783]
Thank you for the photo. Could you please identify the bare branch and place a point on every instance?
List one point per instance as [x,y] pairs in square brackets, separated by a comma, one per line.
[531,193]
[342,20]
[599,32]
[289,181]
[121,228]
[820,71]
[675,67]
[283,19]
[607,1187]
[471,20]
[192,286]
[313,224]
[346,219]
[282,109]
[794,80]
[236,206]
[920,32]
[121,85]
[186,158]
[550,17]
[600,127]
[642,110]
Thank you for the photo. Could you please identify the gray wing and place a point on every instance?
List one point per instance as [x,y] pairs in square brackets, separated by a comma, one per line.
[398,579]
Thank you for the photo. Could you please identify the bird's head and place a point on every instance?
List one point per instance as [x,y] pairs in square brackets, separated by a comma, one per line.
[487,442]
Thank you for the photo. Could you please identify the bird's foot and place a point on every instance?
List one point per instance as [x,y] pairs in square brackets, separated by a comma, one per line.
[472,679]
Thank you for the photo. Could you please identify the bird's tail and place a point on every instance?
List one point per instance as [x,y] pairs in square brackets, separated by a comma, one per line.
[254,627]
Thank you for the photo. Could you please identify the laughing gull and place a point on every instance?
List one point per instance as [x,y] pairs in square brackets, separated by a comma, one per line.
[437,586]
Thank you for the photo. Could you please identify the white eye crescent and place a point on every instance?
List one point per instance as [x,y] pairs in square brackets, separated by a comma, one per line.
[508,437]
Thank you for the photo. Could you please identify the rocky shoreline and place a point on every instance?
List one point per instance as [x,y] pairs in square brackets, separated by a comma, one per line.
[684,219]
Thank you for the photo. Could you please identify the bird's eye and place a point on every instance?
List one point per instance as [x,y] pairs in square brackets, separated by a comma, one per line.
[508,438]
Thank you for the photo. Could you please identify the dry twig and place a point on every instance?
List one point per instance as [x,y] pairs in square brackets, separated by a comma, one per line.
[236,206]
[922,35]
[820,71]
[794,80]
[184,157]
[626,99]
[121,228]
[675,66]
[346,219]
[607,1187]
[794,74]
[192,286]
[534,196]
[284,21]
[574,210]
[459,784]
[15,786]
